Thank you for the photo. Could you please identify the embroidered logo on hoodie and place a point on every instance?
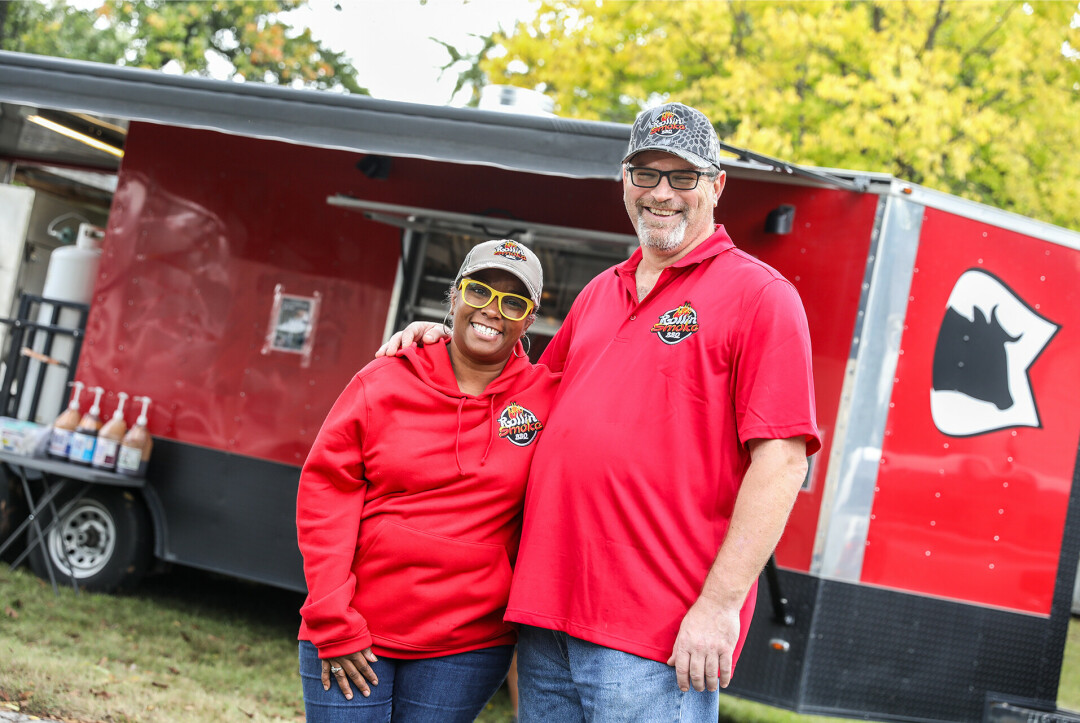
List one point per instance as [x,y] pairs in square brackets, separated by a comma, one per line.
[675,325]
[519,425]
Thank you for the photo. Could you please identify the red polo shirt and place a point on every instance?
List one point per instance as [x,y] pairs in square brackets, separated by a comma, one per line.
[634,481]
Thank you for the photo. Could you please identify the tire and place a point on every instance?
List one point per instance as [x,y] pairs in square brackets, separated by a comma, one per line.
[103,541]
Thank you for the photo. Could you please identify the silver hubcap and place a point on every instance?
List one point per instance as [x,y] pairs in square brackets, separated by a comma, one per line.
[84,540]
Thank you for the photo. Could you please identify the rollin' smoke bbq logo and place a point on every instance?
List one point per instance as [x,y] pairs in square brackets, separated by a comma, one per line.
[988,340]
[510,250]
[519,425]
[666,124]
[675,325]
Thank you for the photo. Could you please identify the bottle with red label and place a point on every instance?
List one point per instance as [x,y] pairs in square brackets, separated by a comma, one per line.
[65,424]
[109,437]
[85,436]
[135,448]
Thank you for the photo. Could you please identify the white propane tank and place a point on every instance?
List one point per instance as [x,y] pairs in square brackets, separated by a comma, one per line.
[71,276]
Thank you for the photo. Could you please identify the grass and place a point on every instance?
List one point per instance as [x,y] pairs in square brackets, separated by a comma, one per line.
[186,645]
[193,646]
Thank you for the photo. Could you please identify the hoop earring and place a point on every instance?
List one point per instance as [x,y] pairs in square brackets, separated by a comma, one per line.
[447,323]
[526,342]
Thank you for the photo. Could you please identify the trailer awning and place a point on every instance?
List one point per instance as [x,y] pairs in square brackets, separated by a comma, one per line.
[426,219]
[546,145]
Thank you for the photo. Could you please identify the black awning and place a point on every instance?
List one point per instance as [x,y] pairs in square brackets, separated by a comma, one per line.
[547,145]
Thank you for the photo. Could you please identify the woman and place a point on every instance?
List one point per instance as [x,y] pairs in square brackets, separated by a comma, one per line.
[409,510]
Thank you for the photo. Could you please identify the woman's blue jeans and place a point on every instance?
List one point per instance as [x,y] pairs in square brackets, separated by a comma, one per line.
[447,689]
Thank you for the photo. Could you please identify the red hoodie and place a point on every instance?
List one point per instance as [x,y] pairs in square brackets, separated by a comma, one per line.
[409,508]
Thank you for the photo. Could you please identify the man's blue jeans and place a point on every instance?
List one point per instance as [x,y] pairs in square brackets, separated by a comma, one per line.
[451,688]
[562,679]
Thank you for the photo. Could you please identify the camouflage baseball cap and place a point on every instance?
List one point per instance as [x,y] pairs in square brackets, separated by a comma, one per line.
[677,129]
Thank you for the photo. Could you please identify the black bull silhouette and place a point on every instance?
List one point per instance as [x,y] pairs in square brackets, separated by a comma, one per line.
[970,357]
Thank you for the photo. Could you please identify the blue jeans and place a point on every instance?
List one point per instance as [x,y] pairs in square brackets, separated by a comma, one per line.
[562,679]
[451,688]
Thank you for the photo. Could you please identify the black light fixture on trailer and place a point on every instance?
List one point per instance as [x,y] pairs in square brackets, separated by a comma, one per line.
[780,220]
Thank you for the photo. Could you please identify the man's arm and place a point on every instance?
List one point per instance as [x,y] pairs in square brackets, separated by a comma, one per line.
[705,645]
[419,332]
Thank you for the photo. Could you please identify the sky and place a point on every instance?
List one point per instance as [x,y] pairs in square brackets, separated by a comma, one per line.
[389,44]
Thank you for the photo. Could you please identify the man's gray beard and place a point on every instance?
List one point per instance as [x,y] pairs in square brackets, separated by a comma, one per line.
[654,238]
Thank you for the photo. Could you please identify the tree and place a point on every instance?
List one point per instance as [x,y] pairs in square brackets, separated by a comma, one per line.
[975,98]
[248,37]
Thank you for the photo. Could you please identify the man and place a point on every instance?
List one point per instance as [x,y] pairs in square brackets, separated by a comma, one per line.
[672,457]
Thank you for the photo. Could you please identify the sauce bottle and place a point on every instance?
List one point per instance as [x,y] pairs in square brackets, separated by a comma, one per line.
[136,445]
[85,435]
[108,439]
[65,424]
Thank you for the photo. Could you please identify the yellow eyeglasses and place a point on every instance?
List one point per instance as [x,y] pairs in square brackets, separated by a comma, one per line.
[478,295]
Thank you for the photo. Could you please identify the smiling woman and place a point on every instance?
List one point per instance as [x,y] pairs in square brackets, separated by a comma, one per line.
[492,308]
[409,508]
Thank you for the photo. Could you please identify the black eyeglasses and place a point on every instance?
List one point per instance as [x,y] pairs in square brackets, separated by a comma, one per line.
[680,180]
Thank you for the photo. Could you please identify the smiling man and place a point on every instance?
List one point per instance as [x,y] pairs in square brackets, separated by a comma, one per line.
[671,460]
[671,457]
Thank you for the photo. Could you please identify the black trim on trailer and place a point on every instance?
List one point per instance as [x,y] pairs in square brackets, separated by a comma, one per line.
[897,656]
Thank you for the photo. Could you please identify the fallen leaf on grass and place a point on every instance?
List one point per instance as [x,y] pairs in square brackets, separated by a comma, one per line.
[249,715]
[174,670]
[9,706]
[10,612]
[185,636]
[101,693]
[159,685]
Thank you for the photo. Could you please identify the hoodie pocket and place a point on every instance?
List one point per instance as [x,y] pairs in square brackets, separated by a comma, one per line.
[428,592]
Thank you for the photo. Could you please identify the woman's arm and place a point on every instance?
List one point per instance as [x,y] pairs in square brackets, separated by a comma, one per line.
[329,510]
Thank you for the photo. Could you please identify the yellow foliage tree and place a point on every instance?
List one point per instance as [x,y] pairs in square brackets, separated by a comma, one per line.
[980,99]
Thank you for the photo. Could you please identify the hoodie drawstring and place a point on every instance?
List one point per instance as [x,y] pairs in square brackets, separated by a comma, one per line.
[491,433]
[491,428]
[457,439]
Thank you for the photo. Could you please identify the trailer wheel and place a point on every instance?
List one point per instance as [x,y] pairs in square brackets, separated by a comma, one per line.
[103,542]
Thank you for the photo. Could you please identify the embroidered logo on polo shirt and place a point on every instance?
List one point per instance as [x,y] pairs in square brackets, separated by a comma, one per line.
[518,425]
[510,250]
[675,325]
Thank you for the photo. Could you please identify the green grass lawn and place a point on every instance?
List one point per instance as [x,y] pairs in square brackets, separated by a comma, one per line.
[193,646]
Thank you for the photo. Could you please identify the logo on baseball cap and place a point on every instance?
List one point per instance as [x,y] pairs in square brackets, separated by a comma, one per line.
[677,129]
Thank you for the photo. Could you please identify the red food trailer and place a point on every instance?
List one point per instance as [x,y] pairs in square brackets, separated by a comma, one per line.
[261,242]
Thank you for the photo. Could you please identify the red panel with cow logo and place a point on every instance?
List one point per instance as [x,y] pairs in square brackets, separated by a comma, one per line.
[981,442]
